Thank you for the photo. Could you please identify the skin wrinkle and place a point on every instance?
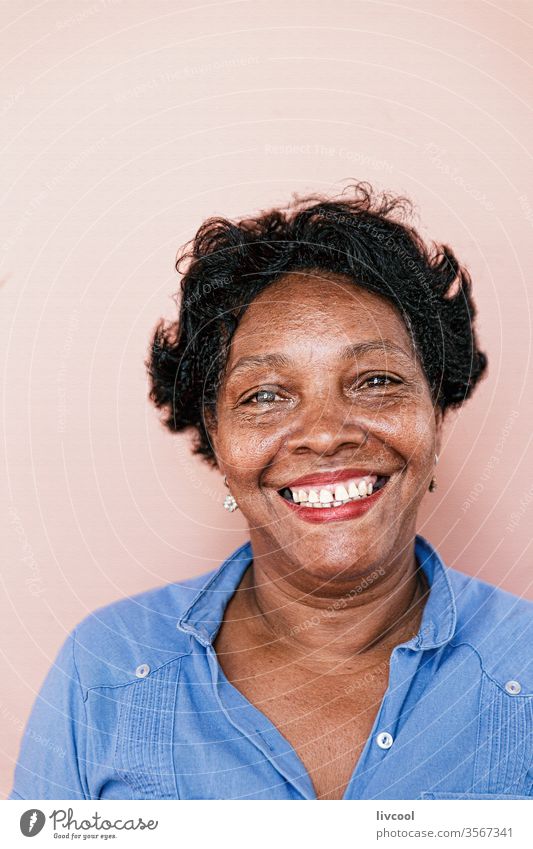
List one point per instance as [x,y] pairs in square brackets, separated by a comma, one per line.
[305,678]
[281,361]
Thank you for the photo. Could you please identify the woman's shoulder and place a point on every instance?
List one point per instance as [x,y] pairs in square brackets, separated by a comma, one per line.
[134,636]
[497,623]
[476,594]
[110,650]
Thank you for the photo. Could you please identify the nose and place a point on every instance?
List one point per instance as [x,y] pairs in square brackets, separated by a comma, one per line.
[325,427]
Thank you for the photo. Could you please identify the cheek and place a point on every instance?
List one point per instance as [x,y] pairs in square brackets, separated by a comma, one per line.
[408,429]
[417,433]
[246,448]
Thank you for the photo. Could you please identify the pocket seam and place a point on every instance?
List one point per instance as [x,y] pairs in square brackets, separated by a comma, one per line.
[430,794]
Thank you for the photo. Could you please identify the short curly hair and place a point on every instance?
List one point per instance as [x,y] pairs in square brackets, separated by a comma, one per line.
[361,235]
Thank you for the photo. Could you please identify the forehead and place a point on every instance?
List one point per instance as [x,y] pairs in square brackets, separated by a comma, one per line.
[320,307]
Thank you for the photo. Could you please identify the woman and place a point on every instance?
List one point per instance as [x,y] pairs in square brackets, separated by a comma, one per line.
[334,655]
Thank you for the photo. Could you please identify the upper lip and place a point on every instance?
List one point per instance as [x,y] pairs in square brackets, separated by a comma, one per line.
[333,476]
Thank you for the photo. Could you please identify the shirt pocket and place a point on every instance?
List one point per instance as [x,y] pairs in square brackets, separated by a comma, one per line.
[504,748]
[429,794]
[144,747]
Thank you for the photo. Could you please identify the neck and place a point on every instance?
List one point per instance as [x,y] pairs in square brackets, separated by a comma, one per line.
[346,632]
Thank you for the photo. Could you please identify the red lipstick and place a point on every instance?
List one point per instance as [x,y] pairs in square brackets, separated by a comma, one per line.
[334,476]
[349,510]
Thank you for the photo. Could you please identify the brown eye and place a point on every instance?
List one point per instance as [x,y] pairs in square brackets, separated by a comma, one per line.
[380,377]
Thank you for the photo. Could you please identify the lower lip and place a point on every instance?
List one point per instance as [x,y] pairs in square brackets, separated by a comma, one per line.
[350,510]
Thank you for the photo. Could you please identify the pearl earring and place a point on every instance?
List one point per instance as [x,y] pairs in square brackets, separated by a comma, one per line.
[230,503]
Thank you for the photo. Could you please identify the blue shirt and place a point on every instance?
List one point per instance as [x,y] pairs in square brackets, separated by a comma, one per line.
[136,705]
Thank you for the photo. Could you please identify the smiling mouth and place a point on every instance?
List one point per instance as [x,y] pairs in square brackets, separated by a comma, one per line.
[334,495]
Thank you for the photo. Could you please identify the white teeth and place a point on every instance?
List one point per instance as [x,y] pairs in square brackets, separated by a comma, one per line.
[341,493]
[333,495]
[353,491]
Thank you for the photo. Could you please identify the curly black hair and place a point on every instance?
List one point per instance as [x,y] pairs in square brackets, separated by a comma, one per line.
[361,235]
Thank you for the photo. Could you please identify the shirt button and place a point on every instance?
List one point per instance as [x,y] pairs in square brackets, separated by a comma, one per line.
[513,687]
[384,740]
[142,670]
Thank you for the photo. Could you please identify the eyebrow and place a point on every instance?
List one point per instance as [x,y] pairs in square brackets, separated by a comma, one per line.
[349,352]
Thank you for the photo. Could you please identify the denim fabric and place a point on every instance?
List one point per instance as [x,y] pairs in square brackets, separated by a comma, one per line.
[136,705]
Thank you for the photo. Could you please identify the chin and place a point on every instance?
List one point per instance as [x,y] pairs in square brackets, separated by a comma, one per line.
[338,561]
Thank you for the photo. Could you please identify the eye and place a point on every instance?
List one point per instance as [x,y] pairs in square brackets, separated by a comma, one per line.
[263,396]
[375,381]
[380,380]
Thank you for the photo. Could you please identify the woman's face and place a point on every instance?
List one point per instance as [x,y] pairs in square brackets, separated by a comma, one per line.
[322,381]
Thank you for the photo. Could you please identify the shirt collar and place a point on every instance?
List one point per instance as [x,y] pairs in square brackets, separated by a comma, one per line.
[204,615]
[439,619]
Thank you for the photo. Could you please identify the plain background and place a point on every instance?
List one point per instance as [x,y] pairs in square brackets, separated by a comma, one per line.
[125,124]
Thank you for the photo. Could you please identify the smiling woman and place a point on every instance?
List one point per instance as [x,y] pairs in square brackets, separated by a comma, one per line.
[334,655]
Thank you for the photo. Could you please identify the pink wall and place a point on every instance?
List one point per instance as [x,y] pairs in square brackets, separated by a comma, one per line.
[127,124]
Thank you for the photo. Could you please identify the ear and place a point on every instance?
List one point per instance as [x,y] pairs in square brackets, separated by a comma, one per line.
[439,417]
[210,425]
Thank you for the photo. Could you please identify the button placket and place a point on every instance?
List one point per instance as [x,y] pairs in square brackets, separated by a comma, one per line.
[371,757]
